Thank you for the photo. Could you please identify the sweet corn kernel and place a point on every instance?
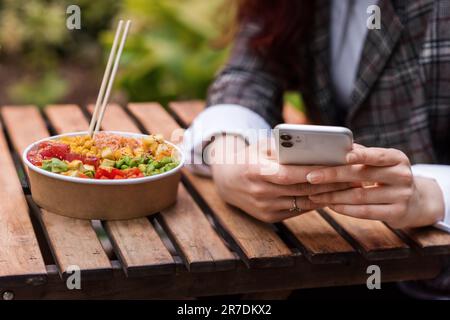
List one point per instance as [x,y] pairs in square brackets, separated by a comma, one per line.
[117,154]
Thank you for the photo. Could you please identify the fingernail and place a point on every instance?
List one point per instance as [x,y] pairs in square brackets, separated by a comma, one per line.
[314,177]
[351,157]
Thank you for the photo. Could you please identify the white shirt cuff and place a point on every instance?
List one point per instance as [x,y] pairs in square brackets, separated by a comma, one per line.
[441,174]
[220,119]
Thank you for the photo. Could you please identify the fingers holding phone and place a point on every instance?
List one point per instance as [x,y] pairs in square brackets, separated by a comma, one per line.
[388,190]
[267,195]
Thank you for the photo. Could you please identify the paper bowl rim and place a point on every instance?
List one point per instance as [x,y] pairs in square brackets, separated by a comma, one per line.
[101,181]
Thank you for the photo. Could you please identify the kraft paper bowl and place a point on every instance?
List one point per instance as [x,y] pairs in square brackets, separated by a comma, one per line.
[103,199]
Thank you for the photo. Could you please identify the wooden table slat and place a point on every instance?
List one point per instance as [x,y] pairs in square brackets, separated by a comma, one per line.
[136,242]
[20,255]
[321,243]
[116,119]
[72,242]
[257,242]
[429,240]
[373,238]
[243,280]
[198,243]
[75,243]
[186,111]
[194,236]
[139,246]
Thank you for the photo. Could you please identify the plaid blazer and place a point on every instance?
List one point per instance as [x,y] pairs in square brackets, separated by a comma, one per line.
[401,96]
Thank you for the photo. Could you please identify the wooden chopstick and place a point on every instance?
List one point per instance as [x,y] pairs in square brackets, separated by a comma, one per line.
[108,79]
[105,79]
[112,77]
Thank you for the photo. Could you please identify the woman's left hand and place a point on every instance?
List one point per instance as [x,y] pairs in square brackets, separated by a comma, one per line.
[385,189]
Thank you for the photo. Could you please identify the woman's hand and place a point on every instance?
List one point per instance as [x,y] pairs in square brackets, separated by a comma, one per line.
[387,190]
[253,181]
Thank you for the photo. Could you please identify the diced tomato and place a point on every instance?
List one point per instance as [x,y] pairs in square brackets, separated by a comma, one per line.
[102,174]
[93,161]
[51,149]
[82,175]
[133,173]
[44,144]
[73,156]
[35,158]
[54,150]
[117,172]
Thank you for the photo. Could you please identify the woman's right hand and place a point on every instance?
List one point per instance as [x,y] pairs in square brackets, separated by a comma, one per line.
[249,178]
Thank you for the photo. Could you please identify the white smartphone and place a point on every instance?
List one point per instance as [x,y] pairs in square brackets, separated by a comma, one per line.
[312,145]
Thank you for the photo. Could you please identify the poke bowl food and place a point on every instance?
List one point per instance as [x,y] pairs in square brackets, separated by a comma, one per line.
[111,176]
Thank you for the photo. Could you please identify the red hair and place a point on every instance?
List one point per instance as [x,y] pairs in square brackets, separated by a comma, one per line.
[285,24]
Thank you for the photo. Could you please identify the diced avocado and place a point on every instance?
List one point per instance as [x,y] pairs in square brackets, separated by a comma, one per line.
[55,165]
[75,165]
[88,167]
[107,163]
[46,165]
[154,172]
[70,173]
[150,169]
[107,153]
[90,174]
[142,168]
[126,160]
[124,166]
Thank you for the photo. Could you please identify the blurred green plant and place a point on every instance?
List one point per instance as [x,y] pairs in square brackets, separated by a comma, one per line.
[295,99]
[51,87]
[169,53]
[34,38]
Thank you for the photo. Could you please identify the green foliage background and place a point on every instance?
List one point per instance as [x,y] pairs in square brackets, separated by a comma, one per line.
[169,53]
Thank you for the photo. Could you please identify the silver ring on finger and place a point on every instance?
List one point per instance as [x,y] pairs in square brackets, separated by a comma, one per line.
[295,207]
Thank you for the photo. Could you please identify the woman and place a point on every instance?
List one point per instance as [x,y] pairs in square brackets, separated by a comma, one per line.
[390,86]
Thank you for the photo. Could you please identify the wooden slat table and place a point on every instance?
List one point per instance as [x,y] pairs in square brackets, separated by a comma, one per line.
[198,247]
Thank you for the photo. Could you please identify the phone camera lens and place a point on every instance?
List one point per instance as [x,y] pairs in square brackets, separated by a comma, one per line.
[285,137]
[287,144]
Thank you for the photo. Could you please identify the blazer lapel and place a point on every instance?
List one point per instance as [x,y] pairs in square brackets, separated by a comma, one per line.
[377,49]
[320,54]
